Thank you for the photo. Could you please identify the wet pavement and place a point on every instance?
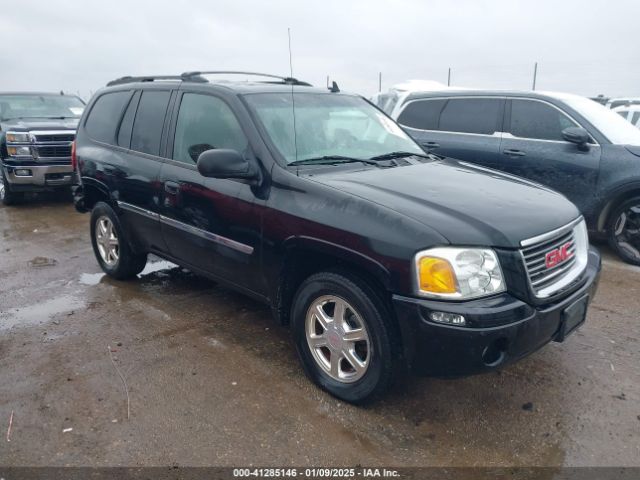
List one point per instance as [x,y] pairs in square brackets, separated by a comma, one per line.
[212,379]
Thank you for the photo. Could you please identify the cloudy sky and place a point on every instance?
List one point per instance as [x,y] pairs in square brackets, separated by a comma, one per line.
[582,46]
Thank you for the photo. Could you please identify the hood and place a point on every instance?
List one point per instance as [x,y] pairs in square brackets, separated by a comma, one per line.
[27,124]
[467,204]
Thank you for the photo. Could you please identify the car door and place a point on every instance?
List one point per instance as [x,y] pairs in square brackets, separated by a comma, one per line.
[209,223]
[131,177]
[533,147]
[466,128]
[137,178]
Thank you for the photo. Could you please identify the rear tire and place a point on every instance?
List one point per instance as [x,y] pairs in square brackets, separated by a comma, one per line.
[623,230]
[112,250]
[352,351]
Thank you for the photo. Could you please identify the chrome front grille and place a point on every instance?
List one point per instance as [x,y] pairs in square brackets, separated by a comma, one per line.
[53,151]
[555,259]
[52,144]
[57,137]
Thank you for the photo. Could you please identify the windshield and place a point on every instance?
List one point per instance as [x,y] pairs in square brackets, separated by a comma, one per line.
[39,106]
[617,130]
[328,125]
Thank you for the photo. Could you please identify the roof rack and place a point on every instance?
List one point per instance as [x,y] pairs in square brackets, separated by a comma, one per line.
[146,78]
[197,77]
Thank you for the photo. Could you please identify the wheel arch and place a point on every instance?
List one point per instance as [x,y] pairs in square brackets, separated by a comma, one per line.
[95,191]
[304,256]
[613,200]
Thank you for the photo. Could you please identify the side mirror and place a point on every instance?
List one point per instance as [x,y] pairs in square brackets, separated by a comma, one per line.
[224,163]
[577,135]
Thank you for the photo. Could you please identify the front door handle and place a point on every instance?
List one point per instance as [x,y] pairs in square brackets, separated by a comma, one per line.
[171,187]
[512,152]
[430,145]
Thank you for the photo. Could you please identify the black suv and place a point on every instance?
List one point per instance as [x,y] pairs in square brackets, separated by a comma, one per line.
[378,255]
[566,142]
[36,132]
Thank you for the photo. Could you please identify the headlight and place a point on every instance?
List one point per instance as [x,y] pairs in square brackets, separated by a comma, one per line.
[13,137]
[19,151]
[458,273]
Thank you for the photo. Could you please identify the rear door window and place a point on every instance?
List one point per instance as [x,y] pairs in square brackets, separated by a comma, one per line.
[147,127]
[537,120]
[105,116]
[422,114]
[471,115]
[204,123]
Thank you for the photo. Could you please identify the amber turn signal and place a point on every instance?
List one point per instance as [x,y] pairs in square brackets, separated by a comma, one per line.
[436,275]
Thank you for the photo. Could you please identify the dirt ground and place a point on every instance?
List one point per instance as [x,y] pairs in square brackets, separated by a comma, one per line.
[214,381]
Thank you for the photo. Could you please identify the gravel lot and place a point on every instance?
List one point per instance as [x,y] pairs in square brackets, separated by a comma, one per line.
[214,381]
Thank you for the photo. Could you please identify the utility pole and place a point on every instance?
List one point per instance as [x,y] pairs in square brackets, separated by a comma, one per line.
[379,82]
[535,74]
[449,78]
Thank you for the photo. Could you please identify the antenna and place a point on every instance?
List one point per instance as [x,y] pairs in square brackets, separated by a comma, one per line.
[293,100]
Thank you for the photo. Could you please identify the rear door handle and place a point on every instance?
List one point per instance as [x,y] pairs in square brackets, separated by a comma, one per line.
[430,145]
[171,187]
[513,152]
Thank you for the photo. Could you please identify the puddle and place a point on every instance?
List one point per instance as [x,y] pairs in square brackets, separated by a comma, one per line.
[157,266]
[39,313]
[91,278]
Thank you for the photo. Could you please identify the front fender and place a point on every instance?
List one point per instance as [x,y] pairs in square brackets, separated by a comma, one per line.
[341,253]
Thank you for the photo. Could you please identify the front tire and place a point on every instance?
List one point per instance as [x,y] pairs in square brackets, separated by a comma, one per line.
[344,337]
[6,195]
[623,231]
[113,252]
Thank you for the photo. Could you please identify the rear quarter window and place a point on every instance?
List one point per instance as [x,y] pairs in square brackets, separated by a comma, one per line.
[103,120]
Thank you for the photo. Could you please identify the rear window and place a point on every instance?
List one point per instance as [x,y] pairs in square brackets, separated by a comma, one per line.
[470,115]
[105,115]
[422,114]
[147,127]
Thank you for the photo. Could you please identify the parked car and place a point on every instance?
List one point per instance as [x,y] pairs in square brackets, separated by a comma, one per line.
[36,132]
[622,102]
[567,142]
[378,255]
[631,113]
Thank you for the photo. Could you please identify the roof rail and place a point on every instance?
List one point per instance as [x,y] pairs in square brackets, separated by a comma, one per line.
[147,78]
[197,77]
[287,80]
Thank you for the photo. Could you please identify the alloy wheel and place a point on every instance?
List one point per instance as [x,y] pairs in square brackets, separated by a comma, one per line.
[627,231]
[338,339]
[107,241]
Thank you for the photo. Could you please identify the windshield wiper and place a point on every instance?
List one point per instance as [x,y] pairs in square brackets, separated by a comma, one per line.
[398,154]
[332,159]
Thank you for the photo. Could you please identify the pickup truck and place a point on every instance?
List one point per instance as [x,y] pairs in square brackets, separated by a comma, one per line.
[36,133]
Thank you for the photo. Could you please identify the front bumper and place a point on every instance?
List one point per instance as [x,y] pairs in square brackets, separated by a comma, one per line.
[502,330]
[41,177]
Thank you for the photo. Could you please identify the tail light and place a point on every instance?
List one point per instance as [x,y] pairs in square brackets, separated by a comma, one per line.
[74,159]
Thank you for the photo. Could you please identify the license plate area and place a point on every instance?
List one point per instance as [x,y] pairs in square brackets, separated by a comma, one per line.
[572,317]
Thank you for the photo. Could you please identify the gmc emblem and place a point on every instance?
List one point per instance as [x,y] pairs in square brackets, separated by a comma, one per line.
[559,255]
